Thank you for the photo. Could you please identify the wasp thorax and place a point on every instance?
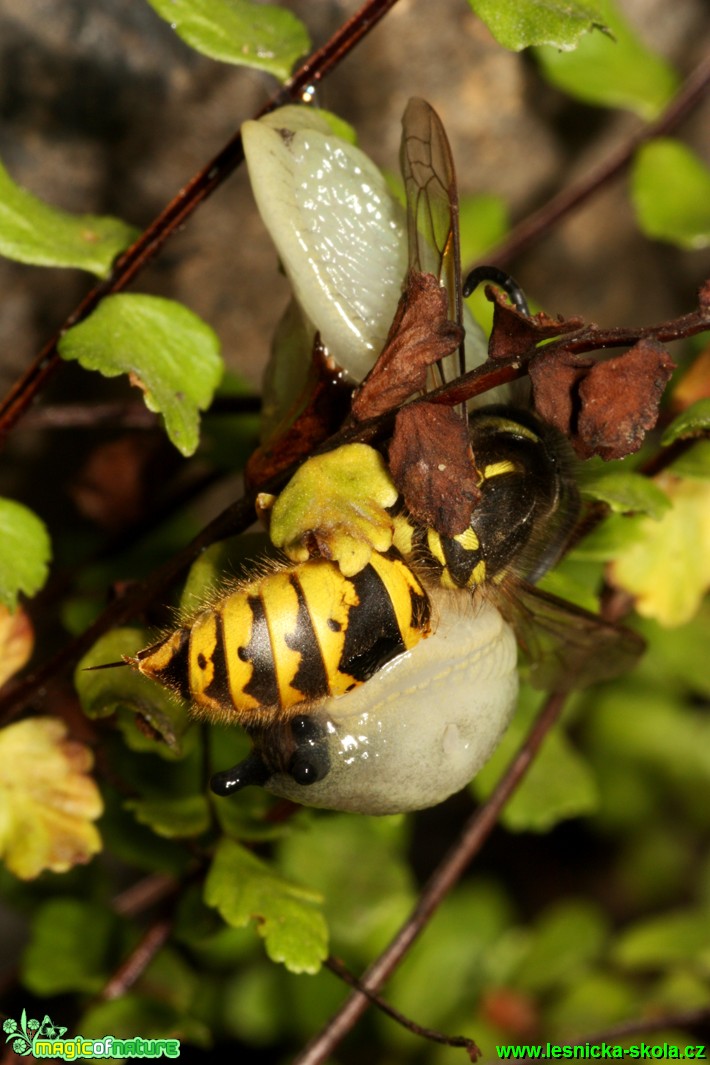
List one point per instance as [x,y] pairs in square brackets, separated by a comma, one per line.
[417,732]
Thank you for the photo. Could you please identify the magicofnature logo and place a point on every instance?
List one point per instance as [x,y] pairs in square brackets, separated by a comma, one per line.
[24,1034]
[43,1039]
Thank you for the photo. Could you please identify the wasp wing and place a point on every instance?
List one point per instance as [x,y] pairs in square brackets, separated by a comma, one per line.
[432,200]
[566,647]
[433,216]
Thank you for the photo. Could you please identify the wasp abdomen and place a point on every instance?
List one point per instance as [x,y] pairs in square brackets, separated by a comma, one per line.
[294,636]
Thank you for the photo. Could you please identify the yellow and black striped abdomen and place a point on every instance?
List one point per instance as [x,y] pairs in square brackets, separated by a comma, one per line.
[295,636]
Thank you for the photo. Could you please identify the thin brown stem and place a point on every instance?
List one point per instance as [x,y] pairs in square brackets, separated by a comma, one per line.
[474,834]
[131,970]
[176,213]
[434,1036]
[640,1026]
[669,1021]
[568,199]
[130,414]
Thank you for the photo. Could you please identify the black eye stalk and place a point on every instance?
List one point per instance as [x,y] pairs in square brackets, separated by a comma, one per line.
[304,751]
[500,278]
[253,770]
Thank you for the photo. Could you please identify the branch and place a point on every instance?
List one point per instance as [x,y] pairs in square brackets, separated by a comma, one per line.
[546,217]
[344,974]
[131,970]
[454,864]
[638,1026]
[680,1019]
[174,216]
[122,414]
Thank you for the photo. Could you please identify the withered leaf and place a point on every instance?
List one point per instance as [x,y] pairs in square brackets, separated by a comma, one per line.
[432,466]
[515,333]
[605,408]
[555,376]
[421,334]
[620,398]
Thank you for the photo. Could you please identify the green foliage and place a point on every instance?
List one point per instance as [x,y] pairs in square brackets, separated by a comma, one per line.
[612,69]
[625,492]
[670,191]
[26,552]
[558,785]
[694,421]
[103,692]
[288,917]
[167,351]
[518,24]
[70,947]
[242,32]
[33,232]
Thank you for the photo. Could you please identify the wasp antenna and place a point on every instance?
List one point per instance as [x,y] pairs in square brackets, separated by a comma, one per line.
[252,770]
[107,665]
[503,280]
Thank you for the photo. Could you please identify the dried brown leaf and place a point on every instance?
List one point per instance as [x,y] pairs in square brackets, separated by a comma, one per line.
[420,335]
[432,466]
[555,377]
[620,400]
[605,408]
[514,333]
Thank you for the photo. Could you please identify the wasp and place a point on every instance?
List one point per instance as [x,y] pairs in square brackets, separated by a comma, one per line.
[387,689]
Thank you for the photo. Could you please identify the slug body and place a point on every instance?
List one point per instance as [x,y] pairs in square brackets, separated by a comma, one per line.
[417,732]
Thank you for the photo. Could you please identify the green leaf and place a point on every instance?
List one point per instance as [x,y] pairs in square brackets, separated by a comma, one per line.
[148,1014]
[483,222]
[610,537]
[69,947]
[670,191]
[33,232]
[695,462]
[676,657]
[694,421]
[612,70]
[288,916]
[248,34]
[591,1002]
[517,24]
[103,692]
[173,818]
[25,551]
[625,492]
[324,859]
[668,569]
[566,939]
[342,497]
[170,353]
[558,785]
[640,725]
[660,941]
